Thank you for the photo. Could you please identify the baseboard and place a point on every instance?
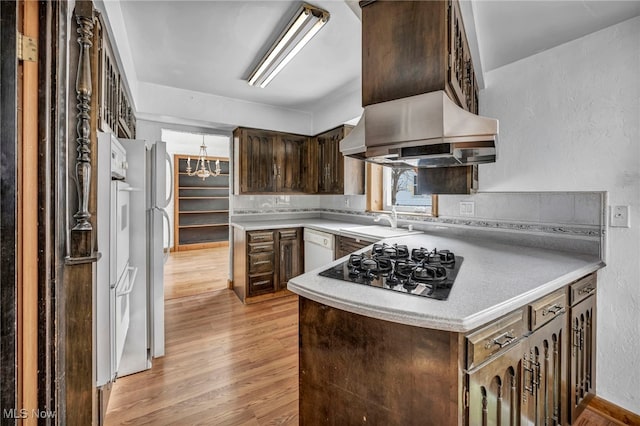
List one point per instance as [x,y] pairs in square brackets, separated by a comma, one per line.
[230,284]
[608,409]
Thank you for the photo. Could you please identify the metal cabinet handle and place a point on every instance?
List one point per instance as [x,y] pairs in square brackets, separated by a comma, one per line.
[586,290]
[261,282]
[553,309]
[502,340]
[262,262]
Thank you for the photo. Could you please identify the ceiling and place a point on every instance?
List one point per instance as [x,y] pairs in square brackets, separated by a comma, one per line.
[212,46]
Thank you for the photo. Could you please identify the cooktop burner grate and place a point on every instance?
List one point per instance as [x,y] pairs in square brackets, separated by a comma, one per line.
[419,271]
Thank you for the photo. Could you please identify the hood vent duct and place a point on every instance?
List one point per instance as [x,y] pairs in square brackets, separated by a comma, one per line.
[427,130]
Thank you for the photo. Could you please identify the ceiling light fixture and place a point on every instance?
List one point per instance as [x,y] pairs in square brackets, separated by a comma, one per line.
[203,165]
[304,25]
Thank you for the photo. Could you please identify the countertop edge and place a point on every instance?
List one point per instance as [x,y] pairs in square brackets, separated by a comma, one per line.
[459,325]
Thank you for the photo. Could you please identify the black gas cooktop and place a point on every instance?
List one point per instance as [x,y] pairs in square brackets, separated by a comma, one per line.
[419,271]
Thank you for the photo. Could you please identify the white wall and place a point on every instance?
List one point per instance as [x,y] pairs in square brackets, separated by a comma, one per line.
[569,121]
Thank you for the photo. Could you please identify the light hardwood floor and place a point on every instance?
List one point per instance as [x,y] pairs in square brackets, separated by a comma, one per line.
[226,364]
[192,272]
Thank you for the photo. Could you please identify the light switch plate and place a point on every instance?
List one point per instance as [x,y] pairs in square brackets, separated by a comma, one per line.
[467,208]
[619,217]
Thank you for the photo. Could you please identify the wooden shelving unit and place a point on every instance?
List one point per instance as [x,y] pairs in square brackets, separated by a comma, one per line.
[201,206]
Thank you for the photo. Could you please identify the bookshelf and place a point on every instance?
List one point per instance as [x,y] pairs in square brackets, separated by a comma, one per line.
[201,206]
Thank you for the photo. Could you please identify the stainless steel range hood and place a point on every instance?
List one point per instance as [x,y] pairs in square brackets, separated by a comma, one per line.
[427,130]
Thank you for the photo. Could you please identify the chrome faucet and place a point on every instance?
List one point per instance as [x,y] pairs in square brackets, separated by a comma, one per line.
[392,218]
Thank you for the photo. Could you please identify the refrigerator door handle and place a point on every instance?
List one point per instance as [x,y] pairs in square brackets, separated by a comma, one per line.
[170,196]
[166,250]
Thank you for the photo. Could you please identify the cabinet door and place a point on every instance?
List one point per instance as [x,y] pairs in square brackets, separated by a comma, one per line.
[291,256]
[346,245]
[457,39]
[291,165]
[462,84]
[544,375]
[582,364]
[108,86]
[494,390]
[257,161]
[330,162]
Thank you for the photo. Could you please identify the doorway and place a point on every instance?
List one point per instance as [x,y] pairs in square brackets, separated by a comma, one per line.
[199,214]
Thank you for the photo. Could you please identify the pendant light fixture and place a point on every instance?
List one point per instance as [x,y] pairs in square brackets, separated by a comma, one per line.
[203,165]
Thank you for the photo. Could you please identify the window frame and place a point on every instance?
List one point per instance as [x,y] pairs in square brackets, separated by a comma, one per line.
[375,194]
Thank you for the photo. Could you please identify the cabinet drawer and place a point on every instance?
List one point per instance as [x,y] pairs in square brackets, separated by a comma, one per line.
[544,310]
[494,338]
[582,289]
[260,236]
[288,234]
[260,247]
[261,284]
[261,262]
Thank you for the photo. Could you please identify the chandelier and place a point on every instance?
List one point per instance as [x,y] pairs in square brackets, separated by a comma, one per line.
[203,165]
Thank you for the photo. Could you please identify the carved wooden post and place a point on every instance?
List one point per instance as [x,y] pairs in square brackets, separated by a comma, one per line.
[82,232]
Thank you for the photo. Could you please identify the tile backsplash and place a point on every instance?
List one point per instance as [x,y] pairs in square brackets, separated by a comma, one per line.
[569,208]
[287,203]
[562,220]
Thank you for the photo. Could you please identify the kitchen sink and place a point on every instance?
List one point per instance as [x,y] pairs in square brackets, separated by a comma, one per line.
[377,231]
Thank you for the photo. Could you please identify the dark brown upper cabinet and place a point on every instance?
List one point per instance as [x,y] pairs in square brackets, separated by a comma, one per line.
[415,47]
[257,161]
[283,163]
[330,162]
[115,113]
[291,164]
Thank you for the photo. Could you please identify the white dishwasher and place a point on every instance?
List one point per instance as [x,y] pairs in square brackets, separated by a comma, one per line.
[318,249]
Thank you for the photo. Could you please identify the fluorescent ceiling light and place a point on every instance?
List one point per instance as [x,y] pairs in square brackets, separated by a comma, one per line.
[304,25]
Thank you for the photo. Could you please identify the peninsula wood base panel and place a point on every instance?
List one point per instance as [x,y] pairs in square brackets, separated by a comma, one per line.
[533,366]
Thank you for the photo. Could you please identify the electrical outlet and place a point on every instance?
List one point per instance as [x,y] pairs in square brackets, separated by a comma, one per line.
[467,208]
[619,217]
[346,201]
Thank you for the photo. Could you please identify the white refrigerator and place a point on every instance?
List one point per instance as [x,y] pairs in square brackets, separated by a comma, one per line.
[148,175]
[150,166]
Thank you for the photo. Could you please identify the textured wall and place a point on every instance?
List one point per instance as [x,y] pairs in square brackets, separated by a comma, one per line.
[569,121]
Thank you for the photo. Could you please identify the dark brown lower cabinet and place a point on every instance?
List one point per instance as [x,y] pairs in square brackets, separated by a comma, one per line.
[291,261]
[347,245]
[264,261]
[544,367]
[582,363]
[494,390]
[533,366]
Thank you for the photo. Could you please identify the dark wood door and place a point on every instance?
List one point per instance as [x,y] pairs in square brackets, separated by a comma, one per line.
[330,162]
[291,163]
[544,375]
[494,390]
[257,161]
[291,256]
[582,365]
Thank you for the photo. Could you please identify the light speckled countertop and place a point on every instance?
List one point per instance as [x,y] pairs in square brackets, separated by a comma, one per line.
[319,224]
[326,225]
[494,279]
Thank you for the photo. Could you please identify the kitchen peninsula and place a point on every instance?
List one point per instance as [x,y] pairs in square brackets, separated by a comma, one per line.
[498,347]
